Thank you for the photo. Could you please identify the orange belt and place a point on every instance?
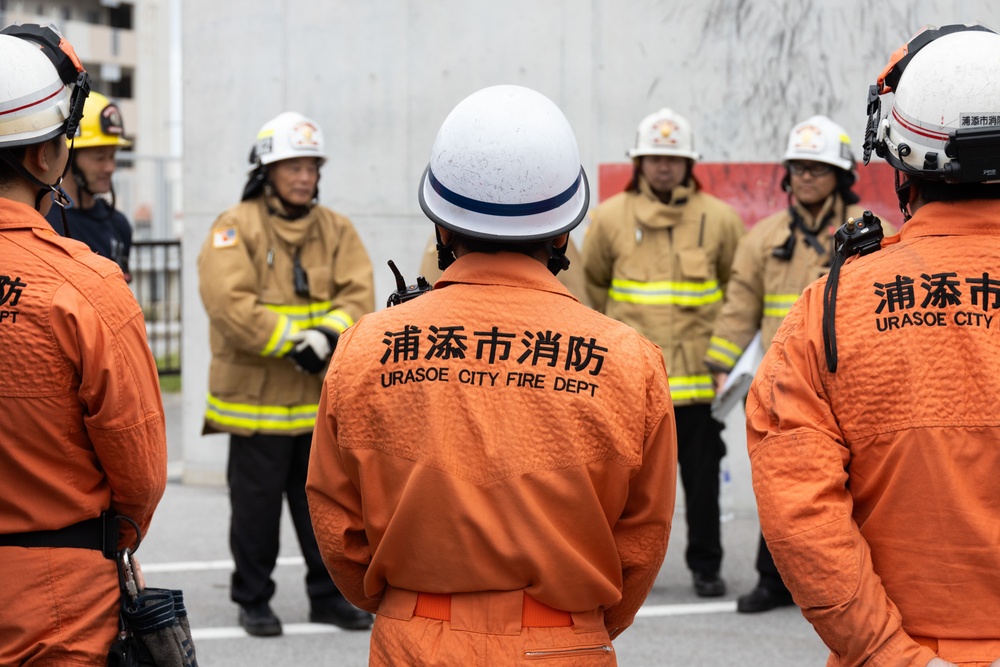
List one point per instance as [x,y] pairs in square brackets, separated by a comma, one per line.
[962,650]
[534,614]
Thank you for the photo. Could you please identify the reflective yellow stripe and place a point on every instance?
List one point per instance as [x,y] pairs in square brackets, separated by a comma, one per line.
[261,417]
[304,316]
[666,292]
[292,319]
[724,352]
[338,320]
[689,387]
[279,343]
[778,305]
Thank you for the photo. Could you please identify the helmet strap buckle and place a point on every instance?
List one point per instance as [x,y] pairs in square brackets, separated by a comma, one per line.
[558,261]
[445,255]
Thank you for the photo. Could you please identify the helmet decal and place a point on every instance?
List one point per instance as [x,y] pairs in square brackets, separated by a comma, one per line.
[111,121]
[808,138]
[305,134]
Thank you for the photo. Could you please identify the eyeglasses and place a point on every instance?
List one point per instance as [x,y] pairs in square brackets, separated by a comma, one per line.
[815,169]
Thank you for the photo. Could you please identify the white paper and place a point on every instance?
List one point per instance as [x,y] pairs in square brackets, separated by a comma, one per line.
[738,382]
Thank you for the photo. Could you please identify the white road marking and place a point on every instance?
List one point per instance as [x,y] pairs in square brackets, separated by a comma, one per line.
[205,565]
[206,634]
[723,607]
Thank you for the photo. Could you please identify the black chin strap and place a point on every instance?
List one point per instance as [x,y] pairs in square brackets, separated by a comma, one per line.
[445,255]
[903,194]
[59,196]
[558,261]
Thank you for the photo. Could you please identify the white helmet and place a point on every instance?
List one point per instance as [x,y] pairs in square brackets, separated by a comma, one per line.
[288,135]
[819,139]
[664,133]
[505,167]
[34,100]
[944,123]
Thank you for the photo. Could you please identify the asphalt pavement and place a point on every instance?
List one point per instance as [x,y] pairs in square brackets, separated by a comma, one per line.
[187,548]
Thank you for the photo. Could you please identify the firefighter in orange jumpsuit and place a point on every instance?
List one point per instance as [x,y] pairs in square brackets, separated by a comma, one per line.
[473,478]
[872,424]
[82,422]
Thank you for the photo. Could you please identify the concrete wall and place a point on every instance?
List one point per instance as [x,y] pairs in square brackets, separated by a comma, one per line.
[381,75]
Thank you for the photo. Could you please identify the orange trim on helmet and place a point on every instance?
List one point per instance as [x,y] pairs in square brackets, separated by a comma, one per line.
[70,52]
[894,59]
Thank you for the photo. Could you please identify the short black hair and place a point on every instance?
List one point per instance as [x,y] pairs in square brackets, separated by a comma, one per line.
[16,154]
[530,248]
[8,174]
[941,191]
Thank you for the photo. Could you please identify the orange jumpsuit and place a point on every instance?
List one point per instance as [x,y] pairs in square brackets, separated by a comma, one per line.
[473,441]
[82,430]
[877,485]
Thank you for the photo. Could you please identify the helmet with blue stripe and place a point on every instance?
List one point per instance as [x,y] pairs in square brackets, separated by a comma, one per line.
[505,167]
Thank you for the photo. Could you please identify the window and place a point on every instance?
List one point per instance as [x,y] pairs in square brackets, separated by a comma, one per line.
[121,17]
[122,89]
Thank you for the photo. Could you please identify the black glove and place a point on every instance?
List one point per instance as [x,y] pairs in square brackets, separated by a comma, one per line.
[314,348]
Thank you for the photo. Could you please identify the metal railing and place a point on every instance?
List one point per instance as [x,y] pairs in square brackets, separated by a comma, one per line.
[156,282]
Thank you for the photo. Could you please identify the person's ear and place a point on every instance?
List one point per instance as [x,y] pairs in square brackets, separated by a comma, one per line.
[560,241]
[37,158]
[445,236]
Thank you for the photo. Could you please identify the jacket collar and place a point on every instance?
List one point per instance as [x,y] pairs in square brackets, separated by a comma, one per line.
[979,217]
[15,215]
[653,213]
[831,213]
[506,269]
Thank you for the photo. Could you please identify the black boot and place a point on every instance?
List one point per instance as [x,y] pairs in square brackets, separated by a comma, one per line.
[259,620]
[764,598]
[338,611]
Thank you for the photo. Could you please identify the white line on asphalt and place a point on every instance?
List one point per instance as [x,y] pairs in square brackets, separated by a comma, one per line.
[687,609]
[199,634]
[204,565]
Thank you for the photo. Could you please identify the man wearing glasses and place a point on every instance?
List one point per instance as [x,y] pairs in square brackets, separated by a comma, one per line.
[774,263]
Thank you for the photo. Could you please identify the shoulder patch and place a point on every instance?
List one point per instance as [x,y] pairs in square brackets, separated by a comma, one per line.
[227,237]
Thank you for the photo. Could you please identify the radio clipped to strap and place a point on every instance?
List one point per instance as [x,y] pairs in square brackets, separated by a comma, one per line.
[857,236]
[406,292]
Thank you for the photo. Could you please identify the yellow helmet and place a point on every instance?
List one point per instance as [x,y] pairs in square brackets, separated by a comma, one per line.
[101,124]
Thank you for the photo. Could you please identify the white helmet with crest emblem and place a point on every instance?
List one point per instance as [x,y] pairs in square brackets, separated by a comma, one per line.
[819,139]
[286,136]
[664,133]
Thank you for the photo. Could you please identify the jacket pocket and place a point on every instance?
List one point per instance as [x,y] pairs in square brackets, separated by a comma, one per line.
[319,282]
[227,379]
[693,264]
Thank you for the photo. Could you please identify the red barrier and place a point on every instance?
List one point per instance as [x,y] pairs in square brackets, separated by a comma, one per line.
[754,188]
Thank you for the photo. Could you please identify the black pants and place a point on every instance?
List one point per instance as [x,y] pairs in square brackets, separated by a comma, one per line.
[262,469]
[770,578]
[699,452]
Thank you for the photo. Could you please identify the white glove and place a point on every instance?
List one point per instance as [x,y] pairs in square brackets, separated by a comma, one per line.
[312,350]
